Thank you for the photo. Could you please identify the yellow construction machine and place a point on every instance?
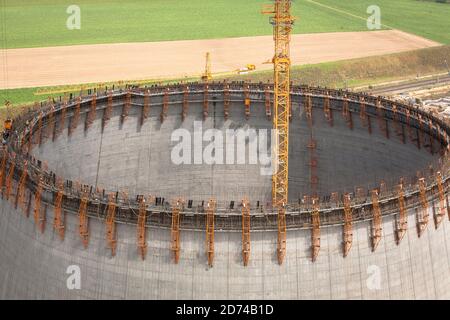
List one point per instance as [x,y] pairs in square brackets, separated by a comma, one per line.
[7,126]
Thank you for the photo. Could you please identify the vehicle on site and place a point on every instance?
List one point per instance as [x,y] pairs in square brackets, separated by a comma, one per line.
[8,124]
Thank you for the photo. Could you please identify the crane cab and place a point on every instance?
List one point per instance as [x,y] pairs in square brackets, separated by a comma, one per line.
[8,125]
[7,130]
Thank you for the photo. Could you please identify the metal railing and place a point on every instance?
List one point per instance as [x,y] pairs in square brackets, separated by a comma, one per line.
[263,216]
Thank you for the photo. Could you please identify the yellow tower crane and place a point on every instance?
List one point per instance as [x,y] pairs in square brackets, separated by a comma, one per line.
[282,21]
[207,76]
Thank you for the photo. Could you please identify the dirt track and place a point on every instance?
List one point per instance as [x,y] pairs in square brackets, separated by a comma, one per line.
[109,62]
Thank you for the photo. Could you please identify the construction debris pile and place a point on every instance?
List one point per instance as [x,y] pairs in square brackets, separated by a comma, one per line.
[439,107]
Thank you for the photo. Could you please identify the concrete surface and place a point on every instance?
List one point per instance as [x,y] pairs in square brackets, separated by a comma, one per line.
[34,265]
[138,159]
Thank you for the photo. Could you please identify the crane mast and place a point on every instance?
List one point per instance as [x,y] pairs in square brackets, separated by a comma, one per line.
[207,76]
[282,22]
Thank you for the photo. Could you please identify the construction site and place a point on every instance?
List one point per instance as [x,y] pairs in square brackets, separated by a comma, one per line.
[360,185]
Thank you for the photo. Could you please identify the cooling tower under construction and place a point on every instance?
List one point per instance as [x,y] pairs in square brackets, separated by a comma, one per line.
[92,183]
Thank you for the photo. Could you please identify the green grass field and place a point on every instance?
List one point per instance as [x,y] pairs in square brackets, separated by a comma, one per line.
[39,23]
[36,23]
[428,19]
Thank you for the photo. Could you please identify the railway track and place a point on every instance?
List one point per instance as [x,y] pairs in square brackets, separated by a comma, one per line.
[410,86]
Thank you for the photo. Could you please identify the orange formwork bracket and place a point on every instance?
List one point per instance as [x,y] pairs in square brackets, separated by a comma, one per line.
[420,132]
[362,111]
[345,109]
[165,106]
[90,117]
[3,168]
[226,101]
[423,214]
[185,103]
[9,179]
[308,109]
[20,194]
[39,130]
[327,110]
[377,221]
[381,118]
[440,214]
[62,116]
[397,122]
[246,231]
[210,212]
[315,233]
[51,126]
[346,113]
[402,222]
[83,225]
[23,144]
[75,118]
[348,225]
[448,207]
[430,136]
[175,230]
[408,125]
[29,142]
[58,220]
[126,107]
[141,235]
[108,110]
[39,217]
[111,224]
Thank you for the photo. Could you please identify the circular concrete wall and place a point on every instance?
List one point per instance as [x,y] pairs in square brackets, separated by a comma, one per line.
[134,154]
